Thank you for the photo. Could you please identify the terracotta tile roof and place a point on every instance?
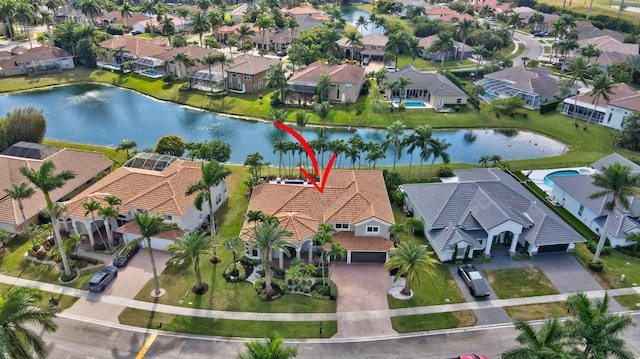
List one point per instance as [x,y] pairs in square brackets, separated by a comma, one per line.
[196,52]
[132,227]
[115,17]
[159,192]
[226,29]
[456,18]
[375,40]
[251,65]
[429,40]
[351,242]
[623,96]
[441,11]
[36,54]
[135,45]
[85,164]
[349,196]
[301,11]
[344,73]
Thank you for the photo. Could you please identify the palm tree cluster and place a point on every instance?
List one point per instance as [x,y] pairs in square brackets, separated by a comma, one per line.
[591,332]
[108,214]
[422,139]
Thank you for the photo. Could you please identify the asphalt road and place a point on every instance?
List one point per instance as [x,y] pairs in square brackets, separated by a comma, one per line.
[86,339]
[532,50]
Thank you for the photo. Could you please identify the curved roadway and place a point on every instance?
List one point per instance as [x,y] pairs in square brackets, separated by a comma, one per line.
[532,49]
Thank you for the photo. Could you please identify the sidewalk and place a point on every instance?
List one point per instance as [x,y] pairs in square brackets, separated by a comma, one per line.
[289,317]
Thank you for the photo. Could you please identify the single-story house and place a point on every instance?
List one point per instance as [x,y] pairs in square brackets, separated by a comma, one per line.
[497,6]
[402,6]
[431,87]
[624,101]
[483,207]
[302,12]
[180,24]
[436,13]
[309,22]
[535,86]
[547,23]
[428,41]
[354,202]
[373,47]
[573,193]
[346,81]
[247,73]
[178,69]
[146,183]
[586,30]
[85,164]
[613,50]
[115,17]
[134,47]
[525,12]
[36,61]
[238,13]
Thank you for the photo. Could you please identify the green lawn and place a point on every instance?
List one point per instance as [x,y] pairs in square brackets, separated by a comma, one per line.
[64,301]
[615,265]
[225,327]
[519,283]
[424,322]
[538,311]
[631,301]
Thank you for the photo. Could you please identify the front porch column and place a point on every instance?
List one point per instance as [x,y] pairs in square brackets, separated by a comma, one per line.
[501,237]
[310,253]
[281,259]
[514,243]
[487,247]
[90,233]
[298,250]
[348,257]
[75,227]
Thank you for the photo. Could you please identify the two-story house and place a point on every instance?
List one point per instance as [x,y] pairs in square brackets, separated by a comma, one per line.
[346,81]
[354,202]
[623,101]
[247,73]
[373,47]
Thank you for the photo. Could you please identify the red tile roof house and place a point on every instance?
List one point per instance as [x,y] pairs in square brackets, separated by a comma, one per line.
[247,73]
[37,61]
[301,12]
[373,47]
[85,164]
[354,202]
[135,46]
[147,183]
[178,69]
[346,80]
[115,17]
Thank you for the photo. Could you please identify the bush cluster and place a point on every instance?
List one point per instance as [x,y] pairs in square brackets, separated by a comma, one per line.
[235,272]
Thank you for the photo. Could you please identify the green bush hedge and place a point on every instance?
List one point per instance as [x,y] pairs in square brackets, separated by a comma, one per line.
[596,267]
[473,99]
[234,272]
[549,106]
[87,259]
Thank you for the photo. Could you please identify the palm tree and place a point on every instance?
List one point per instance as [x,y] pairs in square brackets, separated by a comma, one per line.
[150,8]
[420,139]
[200,24]
[19,192]
[322,109]
[92,206]
[579,68]
[7,11]
[373,18]
[464,29]
[126,145]
[263,23]
[596,329]
[91,8]
[203,5]
[549,342]
[354,39]
[46,18]
[394,133]
[481,51]
[19,313]
[277,79]
[189,248]
[233,244]
[515,20]
[484,160]
[397,44]
[126,11]
[24,13]
[590,51]
[437,148]
[402,83]
[615,180]
[272,348]
[149,226]
[322,237]
[168,28]
[302,118]
[291,24]
[536,18]
[244,31]
[46,181]
[361,23]
[181,58]
[411,259]
[225,60]
[269,236]
[495,159]
[108,213]
[255,216]
[336,252]
[414,48]
[212,174]
[396,229]
[444,44]
[633,64]
[602,85]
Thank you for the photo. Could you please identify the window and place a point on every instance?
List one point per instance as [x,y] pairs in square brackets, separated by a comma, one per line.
[610,115]
[247,77]
[255,86]
[459,100]
[254,252]
[344,226]
[218,199]
[373,229]
[580,210]
[234,75]
[348,86]
[140,210]
[260,84]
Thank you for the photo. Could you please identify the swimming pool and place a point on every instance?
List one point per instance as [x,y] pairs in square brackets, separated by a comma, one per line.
[411,104]
[152,73]
[549,182]
[490,96]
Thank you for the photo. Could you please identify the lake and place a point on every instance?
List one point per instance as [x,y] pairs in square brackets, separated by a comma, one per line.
[105,115]
[352,15]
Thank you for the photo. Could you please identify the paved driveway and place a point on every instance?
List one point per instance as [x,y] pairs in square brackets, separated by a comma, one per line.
[362,288]
[129,282]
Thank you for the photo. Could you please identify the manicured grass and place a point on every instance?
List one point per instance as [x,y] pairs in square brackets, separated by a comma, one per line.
[615,265]
[424,322]
[630,301]
[431,290]
[519,282]
[225,327]
[538,311]
[117,156]
[600,7]
[64,301]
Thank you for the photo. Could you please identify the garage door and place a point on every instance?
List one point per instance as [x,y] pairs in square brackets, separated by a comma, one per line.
[554,248]
[369,257]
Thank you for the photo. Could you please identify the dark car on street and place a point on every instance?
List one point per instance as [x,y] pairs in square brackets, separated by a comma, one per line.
[102,278]
[124,256]
[475,281]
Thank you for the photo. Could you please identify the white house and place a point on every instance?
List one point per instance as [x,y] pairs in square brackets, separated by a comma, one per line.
[573,193]
[146,183]
[623,101]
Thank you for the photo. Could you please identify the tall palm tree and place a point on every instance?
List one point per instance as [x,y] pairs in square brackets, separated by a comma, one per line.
[633,64]
[291,24]
[322,237]
[126,11]
[19,313]
[420,139]
[93,206]
[402,83]
[47,181]
[411,259]
[596,329]
[7,12]
[484,160]
[269,236]
[414,48]
[481,51]
[149,226]
[397,44]
[444,44]
[189,248]
[46,18]
[181,58]
[23,12]
[168,28]
[127,145]
[212,174]
[602,85]
[203,5]
[19,192]
[243,32]
[579,68]
[108,213]
[437,148]
[199,24]
[272,348]
[277,79]
[91,8]
[549,342]
[225,60]
[302,118]
[336,252]
[361,23]
[233,244]
[615,180]
[354,39]
[263,23]
[515,20]
[464,29]
[149,7]
[394,137]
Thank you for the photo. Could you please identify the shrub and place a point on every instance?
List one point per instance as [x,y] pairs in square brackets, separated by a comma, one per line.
[549,106]
[359,109]
[68,278]
[596,267]
[445,172]
[86,259]
[247,260]
[592,244]
[169,77]
[457,108]
[275,283]
[333,290]
[235,272]
[185,87]
[115,29]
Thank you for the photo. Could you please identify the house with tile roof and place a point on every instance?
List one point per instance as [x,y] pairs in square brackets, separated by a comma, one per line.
[85,164]
[115,17]
[465,217]
[346,82]
[274,39]
[373,47]
[301,12]
[180,24]
[431,87]
[613,50]
[623,101]
[135,47]
[354,202]
[247,73]
[573,193]
[497,6]
[586,30]
[36,61]
[238,13]
[178,69]
[428,41]
[437,12]
[535,86]
[146,183]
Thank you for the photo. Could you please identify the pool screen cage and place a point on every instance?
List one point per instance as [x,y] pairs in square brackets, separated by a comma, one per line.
[502,89]
[41,67]
[203,80]
[147,63]
[150,161]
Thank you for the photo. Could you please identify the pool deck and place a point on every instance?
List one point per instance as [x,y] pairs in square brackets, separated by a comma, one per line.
[537,176]
[425,104]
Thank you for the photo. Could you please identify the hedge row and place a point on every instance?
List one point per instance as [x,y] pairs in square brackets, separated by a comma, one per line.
[473,99]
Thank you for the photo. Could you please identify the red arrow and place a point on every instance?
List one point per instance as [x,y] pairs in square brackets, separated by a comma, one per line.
[312,155]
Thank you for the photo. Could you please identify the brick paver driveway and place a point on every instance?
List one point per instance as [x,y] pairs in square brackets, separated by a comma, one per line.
[362,288]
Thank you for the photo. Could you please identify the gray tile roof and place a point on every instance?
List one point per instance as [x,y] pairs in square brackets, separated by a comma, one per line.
[481,200]
[437,84]
[613,158]
[537,81]
[447,237]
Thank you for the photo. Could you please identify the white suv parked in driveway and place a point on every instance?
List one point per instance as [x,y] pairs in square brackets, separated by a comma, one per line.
[390,69]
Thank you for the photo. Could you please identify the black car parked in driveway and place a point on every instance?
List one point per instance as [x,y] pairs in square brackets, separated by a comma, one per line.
[102,278]
[475,281]
[124,256]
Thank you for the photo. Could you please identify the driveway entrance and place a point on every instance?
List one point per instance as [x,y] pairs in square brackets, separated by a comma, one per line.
[362,288]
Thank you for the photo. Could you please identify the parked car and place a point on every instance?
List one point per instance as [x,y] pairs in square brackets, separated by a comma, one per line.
[475,281]
[365,61]
[124,256]
[390,69]
[281,53]
[541,33]
[102,278]
[135,32]
[472,356]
